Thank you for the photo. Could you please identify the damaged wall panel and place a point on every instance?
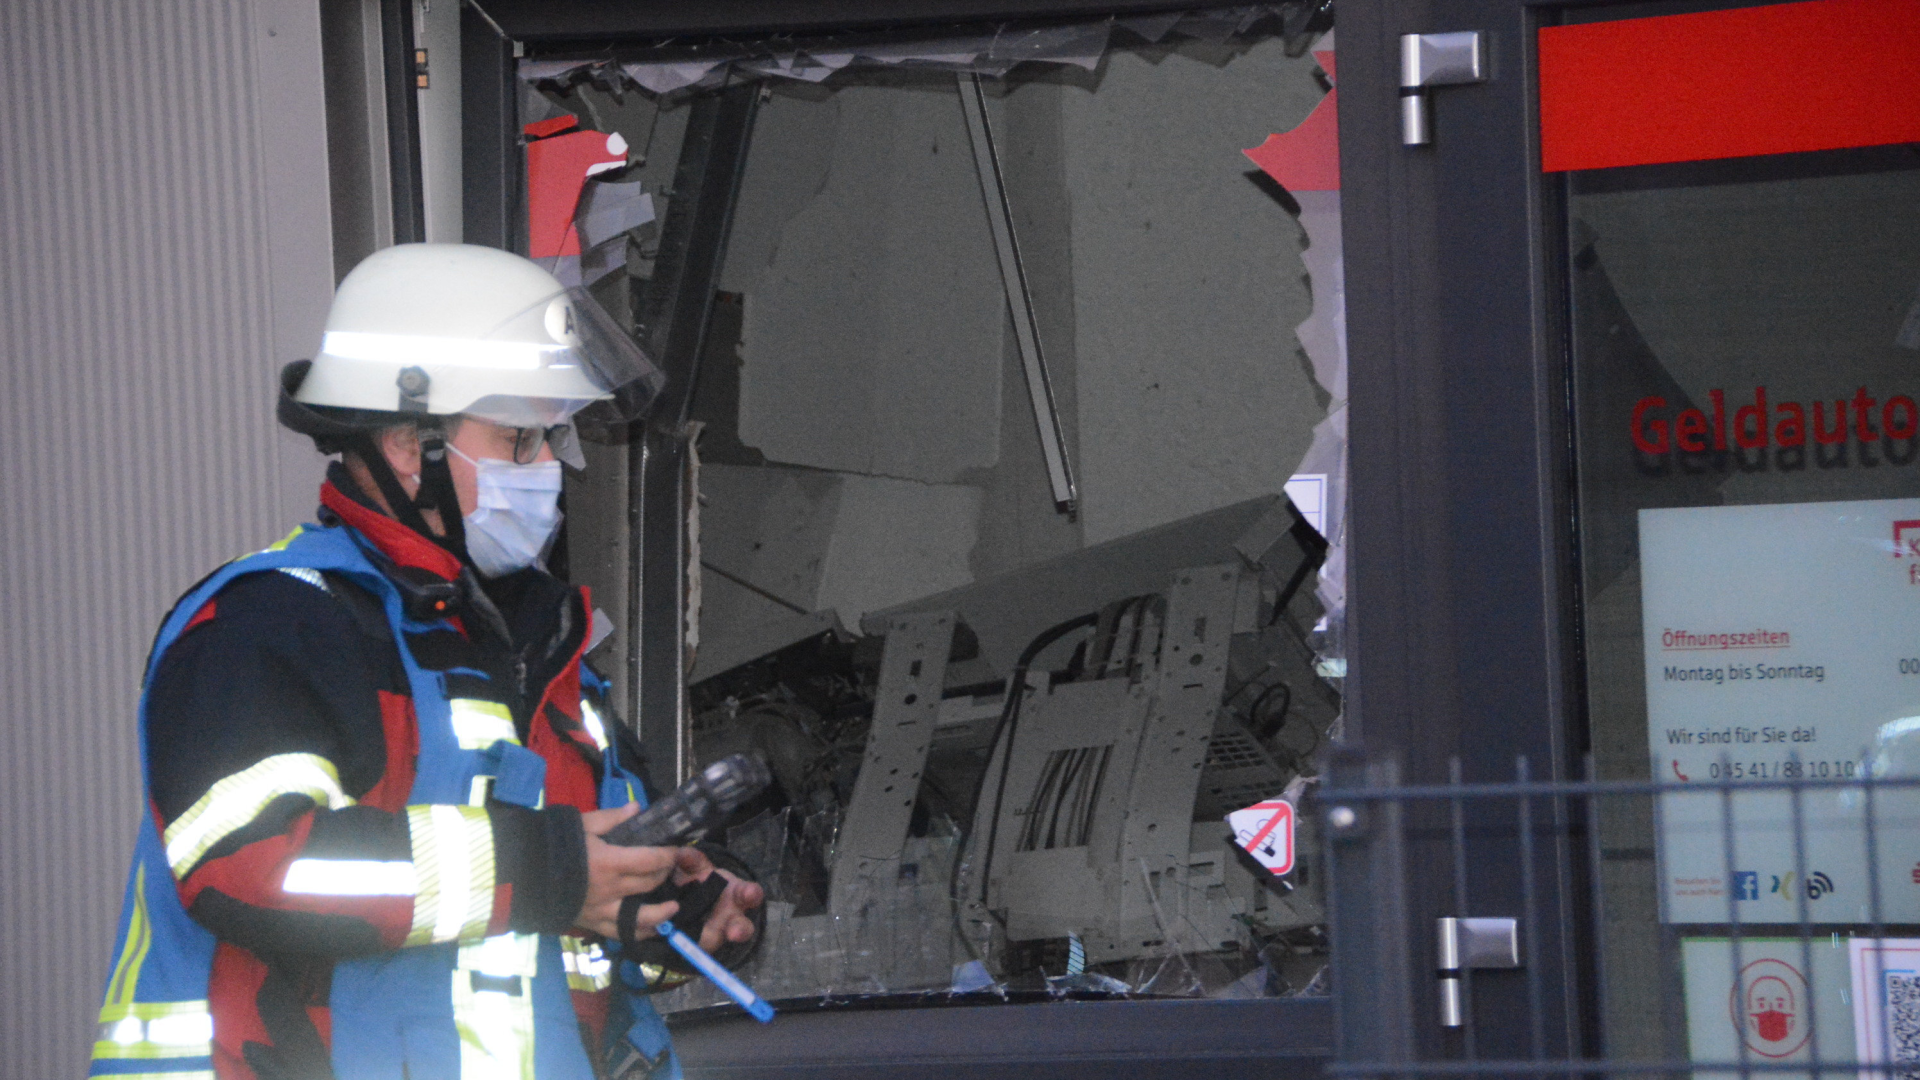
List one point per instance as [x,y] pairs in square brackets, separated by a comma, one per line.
[873,332]
[1187,279]
[769,527]
[822,541]
[895,540]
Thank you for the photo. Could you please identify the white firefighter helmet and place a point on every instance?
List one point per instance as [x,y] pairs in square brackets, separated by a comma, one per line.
[419,330]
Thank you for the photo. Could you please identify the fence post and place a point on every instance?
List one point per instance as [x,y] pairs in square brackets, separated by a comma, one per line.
[1367,917]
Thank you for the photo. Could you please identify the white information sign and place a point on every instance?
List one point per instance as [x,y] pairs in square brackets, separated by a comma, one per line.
[1783,642]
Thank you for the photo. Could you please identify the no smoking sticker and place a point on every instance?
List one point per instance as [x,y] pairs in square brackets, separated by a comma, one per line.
[1265,830]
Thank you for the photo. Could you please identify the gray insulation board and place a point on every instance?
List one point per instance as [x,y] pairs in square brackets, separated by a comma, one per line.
[874,309]
[1188,284]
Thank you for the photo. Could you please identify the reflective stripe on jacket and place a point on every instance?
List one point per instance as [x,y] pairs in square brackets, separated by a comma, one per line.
[454,1002]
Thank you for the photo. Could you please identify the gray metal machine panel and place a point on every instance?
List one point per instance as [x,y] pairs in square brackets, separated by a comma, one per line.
[1128,884]
[1007,611]
[905,709]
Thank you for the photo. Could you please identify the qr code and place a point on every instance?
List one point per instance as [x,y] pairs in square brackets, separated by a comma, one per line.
[1903,1022]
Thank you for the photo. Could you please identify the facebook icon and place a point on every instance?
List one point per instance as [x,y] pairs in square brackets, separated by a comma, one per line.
[1746,885]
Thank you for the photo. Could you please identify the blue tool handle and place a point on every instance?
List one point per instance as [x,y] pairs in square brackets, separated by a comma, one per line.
[740,992]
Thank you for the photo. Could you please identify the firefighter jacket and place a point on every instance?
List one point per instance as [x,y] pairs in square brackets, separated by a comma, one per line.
[363,852]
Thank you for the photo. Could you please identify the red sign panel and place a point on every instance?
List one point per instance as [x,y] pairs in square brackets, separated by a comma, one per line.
[1779,79]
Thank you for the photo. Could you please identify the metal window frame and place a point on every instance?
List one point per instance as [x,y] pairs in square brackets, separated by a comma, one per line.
[1463,594]
[557,24]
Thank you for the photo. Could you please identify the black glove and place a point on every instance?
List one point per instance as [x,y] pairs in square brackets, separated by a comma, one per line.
[697,901]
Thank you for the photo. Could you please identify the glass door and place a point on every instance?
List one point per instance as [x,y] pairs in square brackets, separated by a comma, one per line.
[1635,483]
[1745,338]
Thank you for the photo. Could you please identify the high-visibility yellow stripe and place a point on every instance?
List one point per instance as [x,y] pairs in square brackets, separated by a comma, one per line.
[495,1017]
[152,1010]
[478,724]
[307,574]
[596,727]
[588,966]
[453,866]
[658,976]
[281,544]
[236,800]
[185,1074]
[151,1030]
[126,973]
[350,877]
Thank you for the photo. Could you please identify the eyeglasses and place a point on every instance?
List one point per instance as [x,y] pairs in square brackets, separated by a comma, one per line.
[527,442]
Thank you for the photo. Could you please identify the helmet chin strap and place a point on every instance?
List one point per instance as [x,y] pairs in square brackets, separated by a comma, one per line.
[436,491]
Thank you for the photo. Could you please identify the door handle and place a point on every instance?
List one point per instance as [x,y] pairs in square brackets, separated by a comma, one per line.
[1428,60]
[1471,943]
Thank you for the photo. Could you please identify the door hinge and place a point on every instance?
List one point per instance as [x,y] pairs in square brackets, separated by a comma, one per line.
[1471,943]
[1429,60]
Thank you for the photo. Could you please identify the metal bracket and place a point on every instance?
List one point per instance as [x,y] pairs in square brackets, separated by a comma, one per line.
[906,707]
[675,313]
[1013,276]
[1471,943]
[1429,60]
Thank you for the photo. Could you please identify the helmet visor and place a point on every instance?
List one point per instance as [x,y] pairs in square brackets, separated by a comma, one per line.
[614,362]
[556,357]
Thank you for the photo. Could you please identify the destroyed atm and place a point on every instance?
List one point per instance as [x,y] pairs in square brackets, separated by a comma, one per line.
[995,497]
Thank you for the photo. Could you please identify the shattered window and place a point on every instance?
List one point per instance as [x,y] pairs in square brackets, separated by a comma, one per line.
[1019,494]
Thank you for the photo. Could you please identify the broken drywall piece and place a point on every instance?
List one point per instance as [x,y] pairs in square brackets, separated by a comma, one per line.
[1078,44]
[769,526]
[1184,277]
[793,151]
[822,541]
[535,106]
[1324,337]
[1081,45]
[575,271]
[1328,456]
[1151,28]
[609,209]
[662,78]
[895,540]
[1324,333]
[603,260]
[564,268]
[1306,161]
[872,332]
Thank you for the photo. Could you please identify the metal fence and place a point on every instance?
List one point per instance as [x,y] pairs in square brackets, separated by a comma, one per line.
[1553,927]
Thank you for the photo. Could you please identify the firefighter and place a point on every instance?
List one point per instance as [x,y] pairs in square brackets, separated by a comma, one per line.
[377,768]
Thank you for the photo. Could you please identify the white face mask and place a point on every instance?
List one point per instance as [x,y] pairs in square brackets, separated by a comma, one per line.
[516,515]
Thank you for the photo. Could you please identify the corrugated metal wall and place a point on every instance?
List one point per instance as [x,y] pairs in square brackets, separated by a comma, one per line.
[163,248]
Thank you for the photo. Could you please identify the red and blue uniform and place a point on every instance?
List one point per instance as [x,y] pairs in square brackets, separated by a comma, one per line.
[364,853]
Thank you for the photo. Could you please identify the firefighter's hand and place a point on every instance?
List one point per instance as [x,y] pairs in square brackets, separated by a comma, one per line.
[615,873]
[729,921]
